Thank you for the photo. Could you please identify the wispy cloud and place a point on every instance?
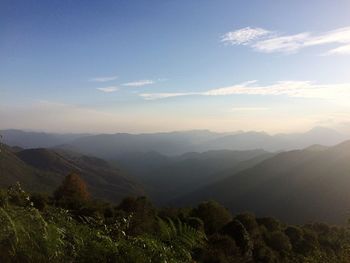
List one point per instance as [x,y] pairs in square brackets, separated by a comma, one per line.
[244,36]
[157,96]
[266,41]
[139,83]
[296,89]
[285,44]
[108,89]
[103,79]
[342,50]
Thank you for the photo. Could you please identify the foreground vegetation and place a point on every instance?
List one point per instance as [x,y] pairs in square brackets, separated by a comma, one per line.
[71,227]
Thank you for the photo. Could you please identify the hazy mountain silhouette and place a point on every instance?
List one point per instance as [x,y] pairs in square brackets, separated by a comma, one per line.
[167,177]
[26,139]
[172,143]
[296,186]
[279,142]
[110,146]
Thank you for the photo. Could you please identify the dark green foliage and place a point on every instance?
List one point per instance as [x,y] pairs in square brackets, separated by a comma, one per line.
[17,196]
[295,235]
[195,222]
[249,223]
[40,200]
[55,235]
[214,216]
[220,249]
[175,212]
[237,231]
[279,242]
[270,223]
[142,213]
[264,254]
[180,236]
[35,228]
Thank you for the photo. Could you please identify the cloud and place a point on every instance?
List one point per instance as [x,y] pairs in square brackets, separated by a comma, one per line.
[243,36]
[286,44]
[266,41]
[297,89]
[156,96]
[342,50]
[103,79]
[139,83]
[108,89]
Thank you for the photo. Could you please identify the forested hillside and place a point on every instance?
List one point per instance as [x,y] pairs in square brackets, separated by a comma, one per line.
[296,186]
[43,169]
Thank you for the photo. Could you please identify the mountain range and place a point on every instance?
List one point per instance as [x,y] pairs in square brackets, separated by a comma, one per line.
[286,176]
[166,177]
[296,186]
[111,146]
[29,139]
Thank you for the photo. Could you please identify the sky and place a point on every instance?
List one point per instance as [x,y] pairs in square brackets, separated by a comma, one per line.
[148,66]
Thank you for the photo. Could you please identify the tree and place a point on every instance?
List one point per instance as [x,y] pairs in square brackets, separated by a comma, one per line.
[220,249]
[279,241]
[214,216]
[249,222]
[270,223]
[295,235]
[72,188]
[236,230]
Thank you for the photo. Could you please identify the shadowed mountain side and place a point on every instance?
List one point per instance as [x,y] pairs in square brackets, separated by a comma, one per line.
[13,169]
[297,186]
[43,170]
[168,177]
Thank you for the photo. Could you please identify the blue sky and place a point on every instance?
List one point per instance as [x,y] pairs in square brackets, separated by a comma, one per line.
[145,66]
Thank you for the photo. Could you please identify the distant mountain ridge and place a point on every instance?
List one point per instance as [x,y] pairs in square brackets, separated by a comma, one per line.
[166,177]
[278,142]
[28,139]
[109,146]
[297,186]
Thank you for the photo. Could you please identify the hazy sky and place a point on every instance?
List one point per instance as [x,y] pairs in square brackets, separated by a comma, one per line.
[144,66]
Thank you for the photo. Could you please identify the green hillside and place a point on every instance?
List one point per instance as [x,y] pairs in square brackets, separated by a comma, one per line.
[43,169]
